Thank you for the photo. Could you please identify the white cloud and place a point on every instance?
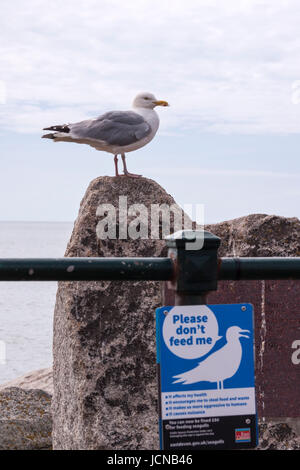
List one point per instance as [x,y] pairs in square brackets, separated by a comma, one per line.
[2,92]
[226,67]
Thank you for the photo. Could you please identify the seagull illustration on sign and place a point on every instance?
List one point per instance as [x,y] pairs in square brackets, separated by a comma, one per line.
[220,365]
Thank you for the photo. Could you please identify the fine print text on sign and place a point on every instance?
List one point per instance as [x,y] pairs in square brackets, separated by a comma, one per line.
[205,358]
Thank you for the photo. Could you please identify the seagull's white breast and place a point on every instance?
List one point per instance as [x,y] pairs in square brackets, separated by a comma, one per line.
[150,116]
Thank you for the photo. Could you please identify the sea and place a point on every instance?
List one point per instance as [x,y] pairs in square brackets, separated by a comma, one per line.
[26,308]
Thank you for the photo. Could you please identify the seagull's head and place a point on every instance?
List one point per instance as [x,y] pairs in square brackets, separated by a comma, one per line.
[235,332]
[147,100]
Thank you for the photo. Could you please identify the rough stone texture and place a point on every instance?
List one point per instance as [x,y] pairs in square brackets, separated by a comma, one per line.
[105,389]
[25,419]
[38,379]
[258,235]
[277,436]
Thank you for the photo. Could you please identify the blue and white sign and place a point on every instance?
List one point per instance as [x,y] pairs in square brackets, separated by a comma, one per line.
[206,361]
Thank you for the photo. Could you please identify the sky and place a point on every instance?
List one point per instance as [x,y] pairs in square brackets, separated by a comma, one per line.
[229,69]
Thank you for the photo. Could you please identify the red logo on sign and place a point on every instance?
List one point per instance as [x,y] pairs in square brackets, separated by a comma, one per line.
[243,435]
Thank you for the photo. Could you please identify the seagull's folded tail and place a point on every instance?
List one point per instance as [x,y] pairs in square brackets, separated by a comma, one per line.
[48,136]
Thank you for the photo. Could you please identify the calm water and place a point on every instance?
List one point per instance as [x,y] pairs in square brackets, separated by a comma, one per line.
[26,309]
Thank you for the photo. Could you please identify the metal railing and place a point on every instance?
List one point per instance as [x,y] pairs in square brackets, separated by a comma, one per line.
[138,269]
[193,273]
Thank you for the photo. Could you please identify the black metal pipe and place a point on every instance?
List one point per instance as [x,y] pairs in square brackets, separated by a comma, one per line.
[139,269]
[86,269]
[259,268]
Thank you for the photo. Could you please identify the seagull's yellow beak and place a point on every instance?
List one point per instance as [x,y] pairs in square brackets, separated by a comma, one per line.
[161,103]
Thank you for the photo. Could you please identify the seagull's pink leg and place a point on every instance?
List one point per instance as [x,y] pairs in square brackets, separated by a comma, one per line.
[116,165]
[126,172]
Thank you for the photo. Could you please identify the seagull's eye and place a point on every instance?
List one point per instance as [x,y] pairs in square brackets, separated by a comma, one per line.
[146,98]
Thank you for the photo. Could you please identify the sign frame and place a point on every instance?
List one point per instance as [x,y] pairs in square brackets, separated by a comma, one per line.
[209,413]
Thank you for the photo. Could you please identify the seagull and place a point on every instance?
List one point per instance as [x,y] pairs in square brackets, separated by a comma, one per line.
[116,132]
[220,365]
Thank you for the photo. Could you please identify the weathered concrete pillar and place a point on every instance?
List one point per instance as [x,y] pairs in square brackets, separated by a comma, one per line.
[105,391]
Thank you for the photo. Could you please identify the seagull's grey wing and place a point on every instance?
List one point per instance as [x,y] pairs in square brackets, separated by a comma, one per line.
[113,128]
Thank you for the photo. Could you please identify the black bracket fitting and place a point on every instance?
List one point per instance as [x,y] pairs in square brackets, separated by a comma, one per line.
[195,254]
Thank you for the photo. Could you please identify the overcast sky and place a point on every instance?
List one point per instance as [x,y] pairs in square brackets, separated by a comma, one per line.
[230,70]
